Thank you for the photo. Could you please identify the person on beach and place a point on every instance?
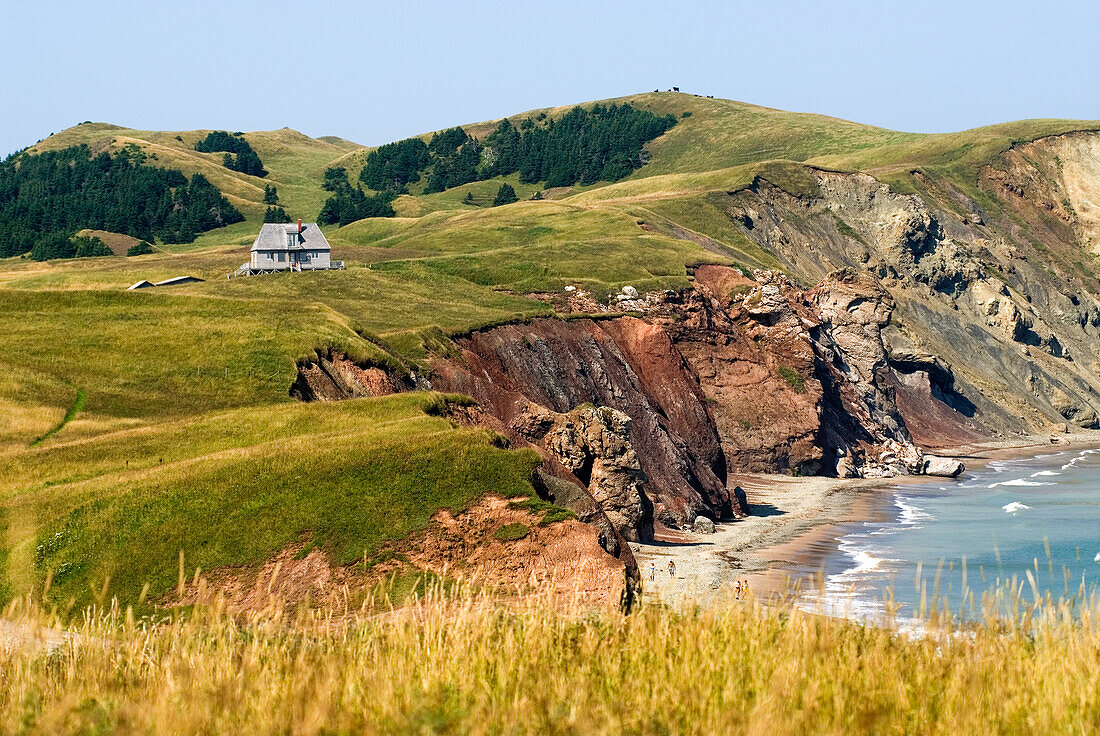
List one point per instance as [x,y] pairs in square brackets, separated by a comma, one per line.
[652,571]
[745,588]
[737,590]
[671,569]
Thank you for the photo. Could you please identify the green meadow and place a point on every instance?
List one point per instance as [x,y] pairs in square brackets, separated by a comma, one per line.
[185,438]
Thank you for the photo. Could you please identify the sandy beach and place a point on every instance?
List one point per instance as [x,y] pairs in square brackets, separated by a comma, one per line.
[790,518]
[792,527]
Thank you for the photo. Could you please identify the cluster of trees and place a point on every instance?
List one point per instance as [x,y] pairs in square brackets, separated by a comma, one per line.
[239,155]
[603,143]
[276,214]
[581,147]
[456,158]
[348,204]
[395,165]
[65,245]
[61,192]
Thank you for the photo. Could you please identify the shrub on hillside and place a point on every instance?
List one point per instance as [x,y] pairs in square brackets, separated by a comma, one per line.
[139,249]
[239,155]
[792,377]
[512,532]
[505,195]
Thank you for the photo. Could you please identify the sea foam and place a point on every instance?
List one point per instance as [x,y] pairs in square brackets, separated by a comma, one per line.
[1020,482]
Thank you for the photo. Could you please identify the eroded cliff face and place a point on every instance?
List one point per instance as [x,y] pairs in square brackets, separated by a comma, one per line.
[626,364]
[736,374]
[1014,348]
[933,323]
[332,376]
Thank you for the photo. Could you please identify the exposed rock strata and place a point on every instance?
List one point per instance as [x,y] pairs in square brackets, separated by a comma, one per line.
[985,295]
[332,376]
[736,374]
[627,364]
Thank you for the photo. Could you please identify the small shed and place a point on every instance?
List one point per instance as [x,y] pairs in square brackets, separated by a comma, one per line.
[178,280]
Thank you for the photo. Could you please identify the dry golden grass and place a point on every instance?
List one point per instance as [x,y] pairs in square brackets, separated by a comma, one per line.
[470,664]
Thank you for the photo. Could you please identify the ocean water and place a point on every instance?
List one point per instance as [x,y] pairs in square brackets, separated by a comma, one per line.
[954,541]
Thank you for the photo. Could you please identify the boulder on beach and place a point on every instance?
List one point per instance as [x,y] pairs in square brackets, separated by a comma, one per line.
[945,467]
[703,525]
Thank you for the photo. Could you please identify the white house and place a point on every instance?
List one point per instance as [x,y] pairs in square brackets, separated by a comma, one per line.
[279,247]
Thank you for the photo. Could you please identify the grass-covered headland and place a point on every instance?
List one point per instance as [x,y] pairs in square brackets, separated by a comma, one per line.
[463,664]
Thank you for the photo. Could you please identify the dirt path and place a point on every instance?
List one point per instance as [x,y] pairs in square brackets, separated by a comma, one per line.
[783,509]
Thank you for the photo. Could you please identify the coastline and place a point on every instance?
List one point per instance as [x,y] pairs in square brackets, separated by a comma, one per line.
[783,545]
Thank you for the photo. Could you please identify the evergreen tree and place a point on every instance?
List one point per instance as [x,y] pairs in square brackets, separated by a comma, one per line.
[395,165]
[469,198]
[505,195]
[447,142]
[348,204]
[53,245]
[335,178]
[504,147]
[271,194]
[276,214]
[456,169]
[90,247]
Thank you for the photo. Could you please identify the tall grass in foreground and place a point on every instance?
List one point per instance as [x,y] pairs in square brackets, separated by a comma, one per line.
[474,665]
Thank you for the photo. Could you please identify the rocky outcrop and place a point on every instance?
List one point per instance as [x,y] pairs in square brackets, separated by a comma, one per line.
[818,356]
[626,363]
[751,353]
[593,444]
[736,374]
[702,525]
[984,294]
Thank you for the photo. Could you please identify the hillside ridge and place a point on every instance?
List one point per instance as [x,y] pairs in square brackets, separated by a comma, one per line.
[899,292]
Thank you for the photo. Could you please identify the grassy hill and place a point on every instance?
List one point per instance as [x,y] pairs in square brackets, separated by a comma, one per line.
[296,163]
[186,438]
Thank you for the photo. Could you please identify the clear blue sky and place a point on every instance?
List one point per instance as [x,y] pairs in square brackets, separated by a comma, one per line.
[377,71]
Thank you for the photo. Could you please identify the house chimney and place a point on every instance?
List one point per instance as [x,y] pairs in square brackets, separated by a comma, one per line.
[299,225]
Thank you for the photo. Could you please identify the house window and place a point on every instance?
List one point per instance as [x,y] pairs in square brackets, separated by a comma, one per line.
[280,258]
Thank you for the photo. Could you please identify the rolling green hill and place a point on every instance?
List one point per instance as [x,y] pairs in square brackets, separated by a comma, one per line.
[197,376]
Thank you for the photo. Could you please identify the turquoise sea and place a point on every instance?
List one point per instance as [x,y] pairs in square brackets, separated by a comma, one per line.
[1031,525]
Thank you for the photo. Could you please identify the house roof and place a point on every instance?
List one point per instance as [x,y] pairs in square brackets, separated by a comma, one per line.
[143,284]
[178,280]
[278,237]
